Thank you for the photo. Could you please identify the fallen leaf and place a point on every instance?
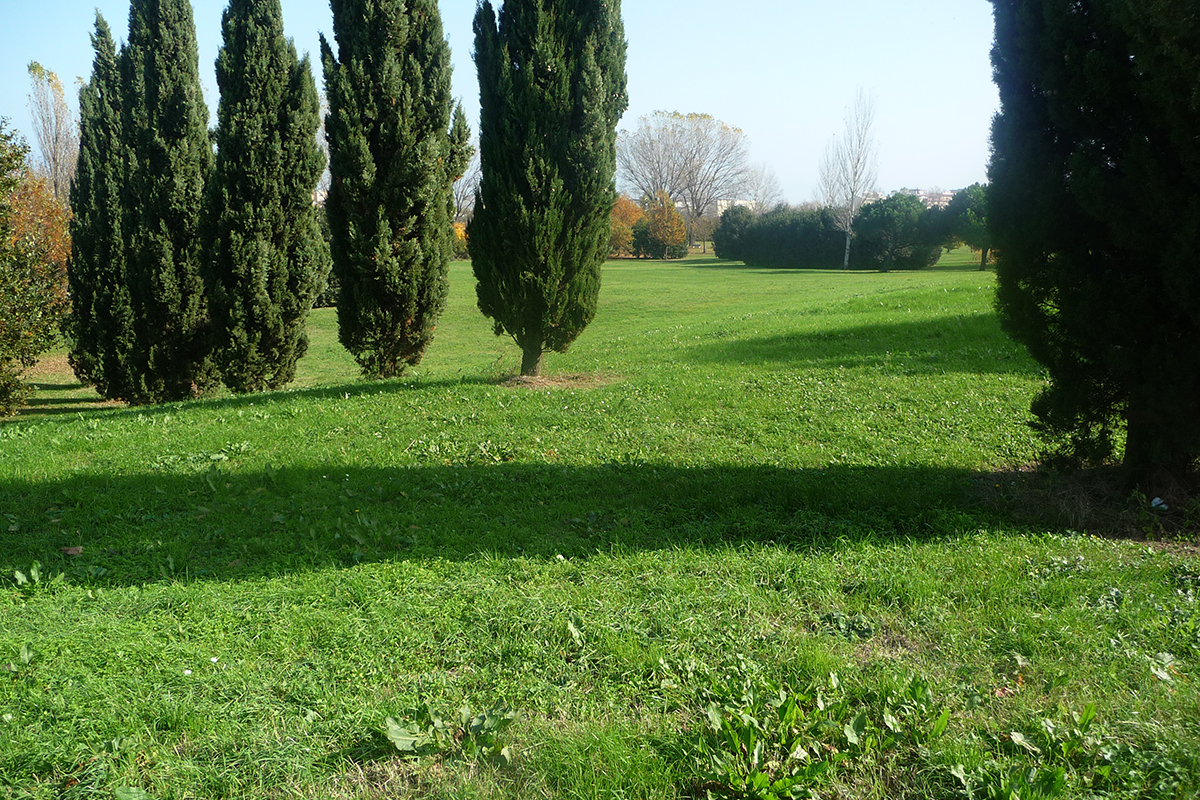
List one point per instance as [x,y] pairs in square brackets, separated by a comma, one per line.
[77,550]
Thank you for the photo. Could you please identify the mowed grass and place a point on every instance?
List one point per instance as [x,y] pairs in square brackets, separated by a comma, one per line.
[736,476]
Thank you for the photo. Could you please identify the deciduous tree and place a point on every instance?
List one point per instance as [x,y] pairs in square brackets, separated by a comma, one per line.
[396,147]
[849,168]
[265,259]
[466,187]
[666,232]
[552,88]
[762,189]
[54,129]
[1094,206]
[33,250]
[625,215]
[694,158]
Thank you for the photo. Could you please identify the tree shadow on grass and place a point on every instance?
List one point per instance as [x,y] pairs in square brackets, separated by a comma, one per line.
[971,344]
[55,405]
[224,523]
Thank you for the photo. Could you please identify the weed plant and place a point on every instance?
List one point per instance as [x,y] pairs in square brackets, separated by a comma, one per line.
[738,483]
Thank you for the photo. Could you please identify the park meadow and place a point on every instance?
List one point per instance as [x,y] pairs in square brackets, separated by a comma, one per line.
[750,514]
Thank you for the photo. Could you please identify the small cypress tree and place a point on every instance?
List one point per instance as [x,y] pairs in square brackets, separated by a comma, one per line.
[1094,207]
[552,88]
[394,155]
[169,152]
[100,327]
[265,259]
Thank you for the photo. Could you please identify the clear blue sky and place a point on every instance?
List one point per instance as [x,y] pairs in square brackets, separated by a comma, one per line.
[781,70]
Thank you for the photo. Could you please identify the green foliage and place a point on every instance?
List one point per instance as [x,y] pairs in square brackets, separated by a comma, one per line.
[265,258]
[783,238]
[898,232]
[100,327]
[476,736]
[31,301]
[552,89]
[766,741]
[395,152]
[968,220]
[1094,206]
[727,238]
[661,233]
[169,157]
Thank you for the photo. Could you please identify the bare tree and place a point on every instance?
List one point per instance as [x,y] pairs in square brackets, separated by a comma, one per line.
[466,187]
[762,189]
[55,129]
[695,158]
[849,168]
[650,159]
[326,180]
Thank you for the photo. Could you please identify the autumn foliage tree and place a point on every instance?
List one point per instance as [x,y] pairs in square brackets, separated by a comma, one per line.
[662,232]
[34,246]
[625,214]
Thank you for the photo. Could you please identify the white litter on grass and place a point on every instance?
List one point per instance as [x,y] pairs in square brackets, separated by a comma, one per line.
[1159,504]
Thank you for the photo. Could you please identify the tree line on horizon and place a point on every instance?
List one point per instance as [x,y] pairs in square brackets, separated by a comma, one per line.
[898,232]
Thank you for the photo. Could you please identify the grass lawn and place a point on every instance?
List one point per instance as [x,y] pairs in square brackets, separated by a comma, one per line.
[758,528]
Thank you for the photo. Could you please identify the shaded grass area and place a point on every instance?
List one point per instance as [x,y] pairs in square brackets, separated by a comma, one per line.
[735,478]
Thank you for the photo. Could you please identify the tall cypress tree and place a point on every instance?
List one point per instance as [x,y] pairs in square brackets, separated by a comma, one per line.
[394,156]
[170,156]
[1094,207]
[552,88]
[265,258]
[101,323]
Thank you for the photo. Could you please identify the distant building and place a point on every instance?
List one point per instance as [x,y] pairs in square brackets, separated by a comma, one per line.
[932,198]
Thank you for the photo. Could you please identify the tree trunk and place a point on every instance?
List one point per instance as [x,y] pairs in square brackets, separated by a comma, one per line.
[1156,459]
[846,259]
[531,360]
[983,261]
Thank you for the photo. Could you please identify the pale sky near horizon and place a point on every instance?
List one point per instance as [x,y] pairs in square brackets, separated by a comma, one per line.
[784,72]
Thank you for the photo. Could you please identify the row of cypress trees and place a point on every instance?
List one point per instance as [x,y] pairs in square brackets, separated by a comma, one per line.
[189,266]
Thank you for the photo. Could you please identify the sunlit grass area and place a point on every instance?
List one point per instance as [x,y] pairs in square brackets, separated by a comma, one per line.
[749,508]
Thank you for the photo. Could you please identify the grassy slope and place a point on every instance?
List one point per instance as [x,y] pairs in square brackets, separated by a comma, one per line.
[779,465]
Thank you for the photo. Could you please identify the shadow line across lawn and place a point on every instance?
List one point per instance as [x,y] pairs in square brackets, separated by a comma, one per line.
[225,523]
[964,344]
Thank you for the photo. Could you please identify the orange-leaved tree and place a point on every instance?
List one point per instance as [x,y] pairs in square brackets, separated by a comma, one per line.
[34,246]
[625,214]
[663,233]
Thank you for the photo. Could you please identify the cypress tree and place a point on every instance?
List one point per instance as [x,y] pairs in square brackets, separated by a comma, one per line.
[265,258]
[100,327]
[394,156]
[169,156]
[1094,206]
[552,88]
